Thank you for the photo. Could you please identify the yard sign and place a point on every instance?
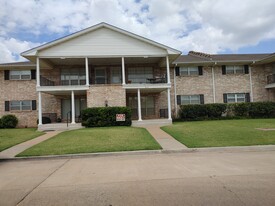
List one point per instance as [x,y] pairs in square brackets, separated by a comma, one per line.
[120,117]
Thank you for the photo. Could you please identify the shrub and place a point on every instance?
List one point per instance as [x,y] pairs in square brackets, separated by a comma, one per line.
[105,116]
[262,109]
[9,121]
[1,125]
[215,111]
[240,109]
[202,111]
[227,111]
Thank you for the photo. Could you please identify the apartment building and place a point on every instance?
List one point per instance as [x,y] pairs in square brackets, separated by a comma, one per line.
[106,66]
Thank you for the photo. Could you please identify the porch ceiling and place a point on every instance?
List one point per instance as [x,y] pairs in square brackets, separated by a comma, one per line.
[100,61]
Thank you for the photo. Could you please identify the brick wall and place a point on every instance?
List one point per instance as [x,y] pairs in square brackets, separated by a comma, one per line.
[98,94]
[18,90]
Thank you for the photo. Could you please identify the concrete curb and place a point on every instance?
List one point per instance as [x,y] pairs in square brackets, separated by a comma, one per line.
[259,148]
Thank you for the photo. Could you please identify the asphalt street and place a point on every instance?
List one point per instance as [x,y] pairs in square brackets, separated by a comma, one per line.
[196,178]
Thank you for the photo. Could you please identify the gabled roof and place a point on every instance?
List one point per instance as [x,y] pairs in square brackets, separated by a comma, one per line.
[199,57]
[32,52]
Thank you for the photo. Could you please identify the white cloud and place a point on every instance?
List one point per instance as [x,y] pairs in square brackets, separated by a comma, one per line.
[206,25]
[10,49]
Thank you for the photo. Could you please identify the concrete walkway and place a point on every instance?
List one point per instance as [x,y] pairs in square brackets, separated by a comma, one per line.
[165,140]
[11,152]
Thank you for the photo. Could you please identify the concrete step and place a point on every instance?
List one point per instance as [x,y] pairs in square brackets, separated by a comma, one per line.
[59,127]
[153,122]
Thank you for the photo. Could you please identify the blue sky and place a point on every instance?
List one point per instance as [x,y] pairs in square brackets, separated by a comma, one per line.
[210,26]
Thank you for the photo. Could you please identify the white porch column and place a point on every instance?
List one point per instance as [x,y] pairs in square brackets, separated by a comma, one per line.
[39,109]
[37,72]
[123,70]
[73,109]
[169,104]
[87,71]
[139,106]
[168,70]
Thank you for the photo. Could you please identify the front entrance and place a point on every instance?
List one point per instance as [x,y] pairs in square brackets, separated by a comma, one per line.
[147,106]
[80,104]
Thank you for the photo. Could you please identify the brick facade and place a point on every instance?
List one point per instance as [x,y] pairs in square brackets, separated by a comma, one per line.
[116,95]
[18,90]
[98,94]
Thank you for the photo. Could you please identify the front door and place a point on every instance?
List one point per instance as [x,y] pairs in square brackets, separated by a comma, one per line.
[66,108]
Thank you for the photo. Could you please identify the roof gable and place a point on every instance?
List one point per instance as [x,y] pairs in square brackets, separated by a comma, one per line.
[101,39]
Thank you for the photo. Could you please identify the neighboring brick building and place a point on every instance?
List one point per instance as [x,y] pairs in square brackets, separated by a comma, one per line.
[106,66]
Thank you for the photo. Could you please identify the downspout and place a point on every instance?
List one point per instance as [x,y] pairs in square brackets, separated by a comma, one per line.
[213,84]
[175,95]
[250,82]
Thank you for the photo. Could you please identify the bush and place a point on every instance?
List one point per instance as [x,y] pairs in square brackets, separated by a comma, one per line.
[227,111]
[261,109]
[105,116]
[9,121]
[1,125]
[202,111]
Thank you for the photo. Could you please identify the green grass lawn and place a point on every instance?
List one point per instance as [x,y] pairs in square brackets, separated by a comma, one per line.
[222,133]
[11,137]
[89,140]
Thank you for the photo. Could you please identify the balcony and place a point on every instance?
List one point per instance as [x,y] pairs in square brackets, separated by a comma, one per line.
[54,81]
[270,81]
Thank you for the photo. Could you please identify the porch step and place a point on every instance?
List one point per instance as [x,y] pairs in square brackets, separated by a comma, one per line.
[59,127]
[148,122]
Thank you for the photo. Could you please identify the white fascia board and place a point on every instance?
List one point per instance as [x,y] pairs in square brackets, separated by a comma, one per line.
[61,88]
[147,86]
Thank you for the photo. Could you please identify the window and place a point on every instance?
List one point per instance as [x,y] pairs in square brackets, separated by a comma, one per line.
[190,99]
[235,69]
[189,71]
[140,74]
[100,76]
[20,105]
[20,74]
[236,97]
[115,75]
[73,77]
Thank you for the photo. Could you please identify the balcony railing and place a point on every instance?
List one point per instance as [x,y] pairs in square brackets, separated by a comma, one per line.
[271,79]
[52,81]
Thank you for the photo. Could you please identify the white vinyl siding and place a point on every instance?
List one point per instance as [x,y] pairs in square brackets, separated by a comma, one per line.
[20,105]
[20,74]
[105,42]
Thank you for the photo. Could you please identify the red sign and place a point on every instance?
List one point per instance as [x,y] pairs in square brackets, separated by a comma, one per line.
[120,117]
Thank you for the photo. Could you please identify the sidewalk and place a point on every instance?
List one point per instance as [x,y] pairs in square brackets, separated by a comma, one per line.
[13,151]
[165,140]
